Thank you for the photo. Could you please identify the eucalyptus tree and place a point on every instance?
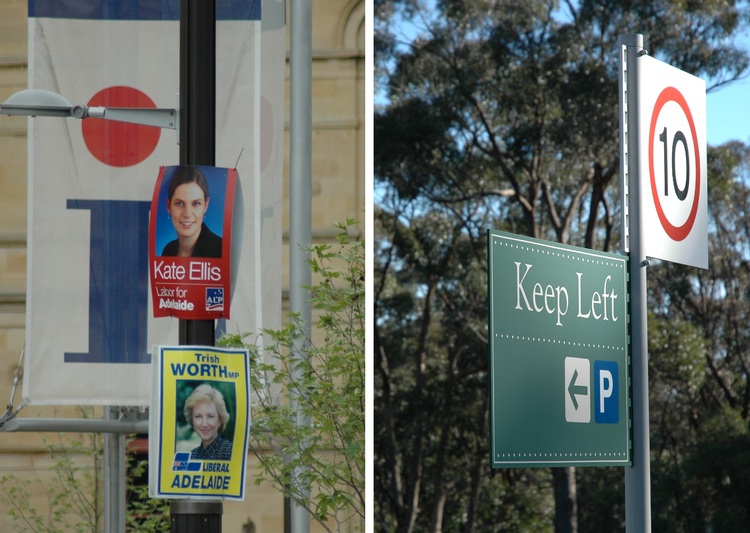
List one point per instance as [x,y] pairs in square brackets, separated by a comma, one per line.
[700,365]
[502,114]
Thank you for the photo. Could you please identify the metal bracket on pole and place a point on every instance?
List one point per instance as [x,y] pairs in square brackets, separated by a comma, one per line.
[624,91]
[144,116]
[10,411]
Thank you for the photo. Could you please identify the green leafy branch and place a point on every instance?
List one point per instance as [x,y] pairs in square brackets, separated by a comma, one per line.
[73,493]
[324,459]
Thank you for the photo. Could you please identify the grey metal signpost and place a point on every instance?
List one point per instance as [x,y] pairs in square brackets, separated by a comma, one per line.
[664,183]
[300,223]
[638,476]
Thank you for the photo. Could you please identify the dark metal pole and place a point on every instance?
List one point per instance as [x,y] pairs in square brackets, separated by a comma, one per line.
[197,147]
[197,113]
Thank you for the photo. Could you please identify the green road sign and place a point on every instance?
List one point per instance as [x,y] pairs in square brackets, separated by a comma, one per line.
[559,354]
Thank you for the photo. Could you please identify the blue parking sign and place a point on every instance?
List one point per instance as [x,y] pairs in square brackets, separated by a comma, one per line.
[606,393]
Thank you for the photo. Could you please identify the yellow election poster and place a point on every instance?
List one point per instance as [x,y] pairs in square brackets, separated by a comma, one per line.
[199,422]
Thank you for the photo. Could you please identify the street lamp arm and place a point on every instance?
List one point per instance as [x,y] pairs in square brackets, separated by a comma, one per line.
[41,103]
[144,116]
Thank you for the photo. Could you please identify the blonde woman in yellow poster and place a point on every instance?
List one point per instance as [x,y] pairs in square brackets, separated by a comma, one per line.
[199,422]
[206,412]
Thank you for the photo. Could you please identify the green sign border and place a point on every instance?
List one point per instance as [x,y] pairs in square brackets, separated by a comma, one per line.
[530,338]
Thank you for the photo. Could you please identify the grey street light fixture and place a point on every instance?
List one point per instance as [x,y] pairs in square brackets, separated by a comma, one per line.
[41,103]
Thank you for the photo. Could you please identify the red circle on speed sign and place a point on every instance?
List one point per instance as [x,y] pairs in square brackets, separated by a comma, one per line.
[678,233]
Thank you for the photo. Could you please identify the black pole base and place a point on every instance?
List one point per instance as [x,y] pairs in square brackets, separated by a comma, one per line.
[195,516]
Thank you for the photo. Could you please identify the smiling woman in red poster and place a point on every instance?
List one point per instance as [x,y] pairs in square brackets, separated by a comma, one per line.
[190,233]
[187,203]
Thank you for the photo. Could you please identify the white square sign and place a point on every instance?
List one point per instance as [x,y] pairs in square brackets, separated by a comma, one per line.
[672,163]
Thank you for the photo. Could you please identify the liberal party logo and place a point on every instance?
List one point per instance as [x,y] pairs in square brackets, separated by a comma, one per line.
[214,299]
[182,463]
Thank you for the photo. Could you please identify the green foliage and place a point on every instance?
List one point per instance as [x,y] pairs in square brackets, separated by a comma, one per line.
[322,383]
[710,486]
[676,374]
[73,493]
[601,499]
[143,514]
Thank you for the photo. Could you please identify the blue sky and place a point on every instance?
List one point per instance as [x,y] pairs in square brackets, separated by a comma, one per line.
[728,109]
[728,113]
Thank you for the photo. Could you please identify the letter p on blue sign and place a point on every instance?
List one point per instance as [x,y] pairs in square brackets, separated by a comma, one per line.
[606,393]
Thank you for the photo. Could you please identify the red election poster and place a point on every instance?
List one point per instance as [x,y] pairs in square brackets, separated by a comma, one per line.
[190,241]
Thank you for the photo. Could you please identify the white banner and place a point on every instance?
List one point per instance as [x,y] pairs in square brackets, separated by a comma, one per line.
[90,330]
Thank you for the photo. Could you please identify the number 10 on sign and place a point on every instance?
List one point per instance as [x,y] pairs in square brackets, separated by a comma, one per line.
[679,137]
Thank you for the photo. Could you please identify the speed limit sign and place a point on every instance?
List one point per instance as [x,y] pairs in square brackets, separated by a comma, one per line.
[672,155]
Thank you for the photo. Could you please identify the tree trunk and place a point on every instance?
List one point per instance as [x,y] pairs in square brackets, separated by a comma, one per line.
[566,500]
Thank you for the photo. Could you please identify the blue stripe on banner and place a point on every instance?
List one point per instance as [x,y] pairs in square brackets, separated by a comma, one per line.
[137,9]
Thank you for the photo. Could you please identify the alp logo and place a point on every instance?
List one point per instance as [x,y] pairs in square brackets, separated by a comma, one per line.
[214,299]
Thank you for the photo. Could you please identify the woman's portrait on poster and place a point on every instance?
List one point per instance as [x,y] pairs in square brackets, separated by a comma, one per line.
[206,412]
[187,204]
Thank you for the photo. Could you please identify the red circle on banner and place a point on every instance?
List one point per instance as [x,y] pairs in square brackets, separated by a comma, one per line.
[677,233]
[119,144]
